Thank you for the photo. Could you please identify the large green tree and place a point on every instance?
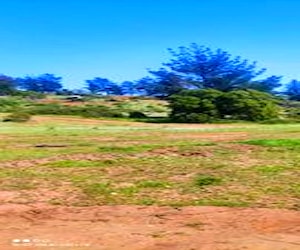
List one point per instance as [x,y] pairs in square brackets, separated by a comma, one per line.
[201,67]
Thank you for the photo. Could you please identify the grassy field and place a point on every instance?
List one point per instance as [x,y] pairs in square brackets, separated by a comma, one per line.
[82,162]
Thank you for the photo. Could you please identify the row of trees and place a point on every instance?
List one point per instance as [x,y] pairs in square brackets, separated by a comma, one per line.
[49,83]
[199,67]
[193,67]
[45,83]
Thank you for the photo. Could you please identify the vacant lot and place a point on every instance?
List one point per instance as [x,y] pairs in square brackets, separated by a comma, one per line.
[53,167]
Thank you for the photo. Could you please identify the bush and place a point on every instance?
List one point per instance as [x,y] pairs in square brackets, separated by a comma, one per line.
[137,114]
[250,105]
[195,106]
[47,109]
[200,106]
[32,95]
[85,111]
[191,118]
[281,121]
[99,111]
[9,104]
[17,117]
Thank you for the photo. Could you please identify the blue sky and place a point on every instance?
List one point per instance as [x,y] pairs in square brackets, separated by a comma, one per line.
[120,39]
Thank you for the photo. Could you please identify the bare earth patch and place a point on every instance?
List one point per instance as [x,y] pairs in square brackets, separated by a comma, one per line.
[78,157]
[213,136]
[48,201]
[148,228]
[174,151]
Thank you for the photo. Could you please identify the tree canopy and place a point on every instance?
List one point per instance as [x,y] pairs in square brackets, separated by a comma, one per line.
[44,83]
[293,90]
[207,105]
[201,67]
[100,85]
[7,85]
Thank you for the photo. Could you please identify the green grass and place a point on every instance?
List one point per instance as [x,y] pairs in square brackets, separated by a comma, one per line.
[121,162]
[270,170]
[222,203]
[275,142]
[206,180]
[89,107]
[80,164]
[153,184]
[183,146]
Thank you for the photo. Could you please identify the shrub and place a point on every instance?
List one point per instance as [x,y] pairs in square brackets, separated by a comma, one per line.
[195,106]
[208,105]
[196,101]
[85,111]
[191,118]
[47,109]
[11,103]
[137,114]
[17,117]
[248,105]
[98,111]
[281,121]
[29,94]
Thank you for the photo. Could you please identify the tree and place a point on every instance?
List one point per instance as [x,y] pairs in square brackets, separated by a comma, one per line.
[29,83]
[251,105]
[168,83]
[146,86]
[207,105]
[293,90]
[129,88]
[50,83]
[163,84]
[100,85]
[202,67]
[195,105]
[7,85]
[266,85]
[45,83]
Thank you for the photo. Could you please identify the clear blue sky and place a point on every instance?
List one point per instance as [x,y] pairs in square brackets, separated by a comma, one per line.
[120,39]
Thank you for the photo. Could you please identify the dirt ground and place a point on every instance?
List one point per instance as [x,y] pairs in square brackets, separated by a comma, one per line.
[38,225]
[41,226]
